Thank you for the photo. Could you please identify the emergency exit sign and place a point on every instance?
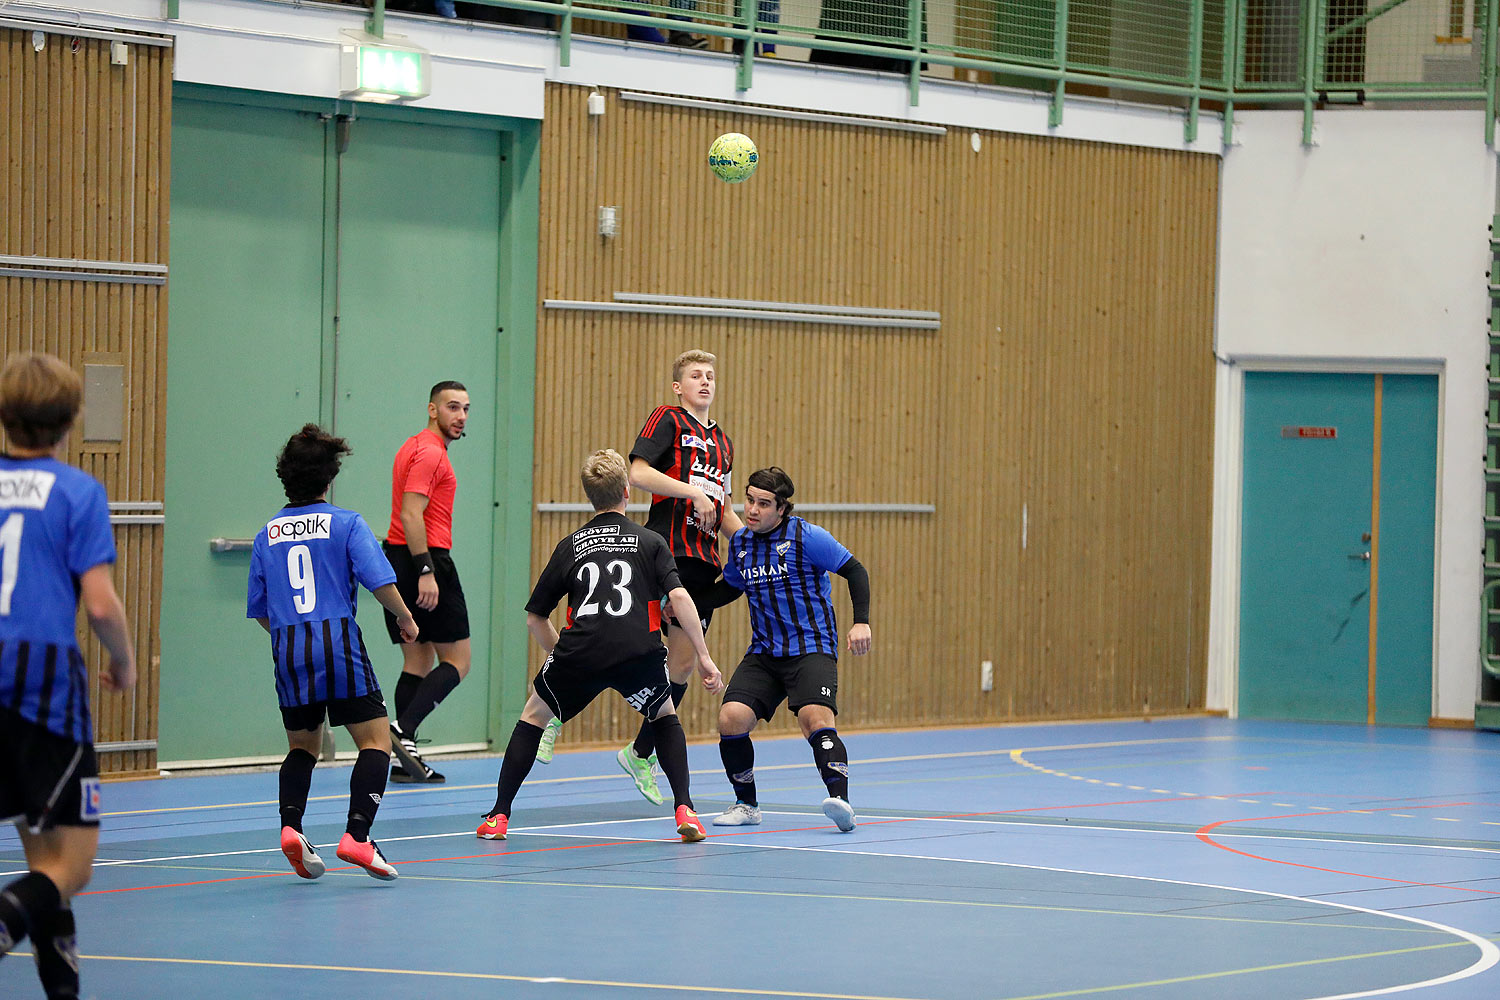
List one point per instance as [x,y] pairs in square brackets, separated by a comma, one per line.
[375,72]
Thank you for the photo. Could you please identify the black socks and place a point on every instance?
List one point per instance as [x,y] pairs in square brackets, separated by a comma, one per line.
[645,740]
[55,944]
[296,779]
[366,787]
[738,754]
[430,691]
[520,754]
[24,903]
[406,686]
[671,754]
[832,760]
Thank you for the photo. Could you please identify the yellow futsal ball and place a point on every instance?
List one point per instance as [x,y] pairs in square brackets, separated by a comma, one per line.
[733,157]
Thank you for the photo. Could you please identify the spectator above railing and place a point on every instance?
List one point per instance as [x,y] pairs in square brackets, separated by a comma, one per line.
[1224,53]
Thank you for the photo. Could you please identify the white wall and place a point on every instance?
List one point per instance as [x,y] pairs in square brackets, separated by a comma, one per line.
[1365,252]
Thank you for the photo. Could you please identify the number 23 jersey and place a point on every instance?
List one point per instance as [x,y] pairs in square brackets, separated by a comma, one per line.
[305,570]
[614,573]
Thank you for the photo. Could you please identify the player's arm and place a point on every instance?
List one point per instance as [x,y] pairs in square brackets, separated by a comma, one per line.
[413,507]
[687,616]
[106,616]
[730,522]
[858,579]
[643,476]
[542,630]
[720,594]
[391,600]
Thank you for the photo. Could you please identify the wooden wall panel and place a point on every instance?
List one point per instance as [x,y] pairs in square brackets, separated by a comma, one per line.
[84,176]
[1061,420]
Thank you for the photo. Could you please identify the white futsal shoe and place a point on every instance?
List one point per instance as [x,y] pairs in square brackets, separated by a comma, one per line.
[739,814]
[841,812]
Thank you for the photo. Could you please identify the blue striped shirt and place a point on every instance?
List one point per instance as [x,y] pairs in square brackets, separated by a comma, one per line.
[54,527]
[784,574]
[305,568]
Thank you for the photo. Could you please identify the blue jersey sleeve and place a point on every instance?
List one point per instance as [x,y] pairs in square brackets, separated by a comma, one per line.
[91,541]
[371,568]
[822,550]
[255,601]
[731,564]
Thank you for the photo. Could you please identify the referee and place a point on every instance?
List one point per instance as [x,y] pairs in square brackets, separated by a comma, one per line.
[417,545]
[781,563]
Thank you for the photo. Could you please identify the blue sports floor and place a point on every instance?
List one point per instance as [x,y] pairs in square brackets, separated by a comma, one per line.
[1184,858]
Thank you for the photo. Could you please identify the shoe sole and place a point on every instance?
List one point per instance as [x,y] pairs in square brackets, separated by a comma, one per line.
[488,836]
[840,812]
[691,834]
[380,873]
[402,778]
[412,765]
[656,799]
[309,867]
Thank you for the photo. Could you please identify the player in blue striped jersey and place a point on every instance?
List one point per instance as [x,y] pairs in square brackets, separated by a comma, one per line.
[305,568]
[56,550]
[781,563]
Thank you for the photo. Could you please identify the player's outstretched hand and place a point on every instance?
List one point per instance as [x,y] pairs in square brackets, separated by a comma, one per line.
[408,627]
[713,681]
[705,513]
[120,676]
[427,592]
[859,639]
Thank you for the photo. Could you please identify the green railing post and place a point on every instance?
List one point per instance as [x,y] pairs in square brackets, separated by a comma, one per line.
[1060,54]
[1312,62]
[914,36]
[375,25]
[1487,658]
[747,57]
[1195,68]
[1491,22]
[565,37]
[1233,65]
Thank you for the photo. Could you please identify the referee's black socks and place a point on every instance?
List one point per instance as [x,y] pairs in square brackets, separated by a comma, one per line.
[738,755]
[832,760]
[406,687]
[55,945]
[520,754]
[433,688]
[366,788]
[296,779]
[645,740]
[24,904]
[671,754]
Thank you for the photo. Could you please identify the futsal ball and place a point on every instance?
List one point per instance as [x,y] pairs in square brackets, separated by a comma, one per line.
[732,157]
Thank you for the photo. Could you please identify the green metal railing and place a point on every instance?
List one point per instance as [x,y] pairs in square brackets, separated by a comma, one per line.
[1262,53]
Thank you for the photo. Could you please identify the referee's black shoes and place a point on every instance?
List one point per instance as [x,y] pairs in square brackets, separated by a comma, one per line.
[405,750]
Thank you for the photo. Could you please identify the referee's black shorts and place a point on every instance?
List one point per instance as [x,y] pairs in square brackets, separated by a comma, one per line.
[449,621]
[698,578]
[762,681]
[46,780]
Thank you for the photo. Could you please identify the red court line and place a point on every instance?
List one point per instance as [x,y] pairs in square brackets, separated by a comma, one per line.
[1203,835]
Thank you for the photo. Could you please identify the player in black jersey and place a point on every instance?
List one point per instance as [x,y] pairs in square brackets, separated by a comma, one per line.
[685,459]
[614,574]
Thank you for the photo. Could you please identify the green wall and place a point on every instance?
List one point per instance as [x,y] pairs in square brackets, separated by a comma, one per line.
[332,270]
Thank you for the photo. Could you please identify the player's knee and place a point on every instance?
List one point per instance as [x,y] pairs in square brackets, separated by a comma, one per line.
[735,719]
[814,717]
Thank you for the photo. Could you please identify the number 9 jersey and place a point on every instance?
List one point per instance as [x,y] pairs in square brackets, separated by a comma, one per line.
[305,568]
[614,573]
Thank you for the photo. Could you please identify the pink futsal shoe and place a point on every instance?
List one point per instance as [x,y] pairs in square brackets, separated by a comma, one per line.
[299,851]
[493,827]
[689,825]
[367,855]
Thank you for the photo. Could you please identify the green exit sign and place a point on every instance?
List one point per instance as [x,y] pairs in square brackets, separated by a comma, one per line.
[384,72]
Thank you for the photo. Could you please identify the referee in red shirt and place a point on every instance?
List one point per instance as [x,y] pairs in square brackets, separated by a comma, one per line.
[418,544]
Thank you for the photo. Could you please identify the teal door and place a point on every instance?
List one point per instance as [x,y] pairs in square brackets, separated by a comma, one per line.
[1338,527]
[332,272]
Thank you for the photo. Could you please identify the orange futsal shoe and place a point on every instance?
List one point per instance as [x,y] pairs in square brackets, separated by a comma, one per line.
[493,827]
[689,825]
[367,855]
[299,851]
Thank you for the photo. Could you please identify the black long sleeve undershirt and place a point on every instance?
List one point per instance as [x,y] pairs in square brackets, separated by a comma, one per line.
[859,589]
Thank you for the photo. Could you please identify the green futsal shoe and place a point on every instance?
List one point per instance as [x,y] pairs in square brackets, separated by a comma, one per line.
[643,771]
[549,741]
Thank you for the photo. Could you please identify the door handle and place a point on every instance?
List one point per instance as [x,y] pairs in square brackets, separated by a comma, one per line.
[1362,556]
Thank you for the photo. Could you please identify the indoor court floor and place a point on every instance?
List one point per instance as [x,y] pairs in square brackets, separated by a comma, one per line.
[1176,858]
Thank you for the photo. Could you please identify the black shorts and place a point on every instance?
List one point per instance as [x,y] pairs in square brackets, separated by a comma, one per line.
[762,681]
[568,686]
[697,579]
[46,780]
[340,712]
[449,621]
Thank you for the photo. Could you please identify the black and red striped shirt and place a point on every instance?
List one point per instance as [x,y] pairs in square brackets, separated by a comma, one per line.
[674,442]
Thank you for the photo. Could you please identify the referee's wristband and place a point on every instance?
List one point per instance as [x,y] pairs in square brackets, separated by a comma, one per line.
[423,562]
